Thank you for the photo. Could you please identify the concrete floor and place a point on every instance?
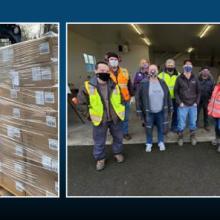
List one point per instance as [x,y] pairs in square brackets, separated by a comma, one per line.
[81,134]
[179,171]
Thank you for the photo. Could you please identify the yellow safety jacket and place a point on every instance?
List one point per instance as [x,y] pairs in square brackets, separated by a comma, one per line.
[96,109]
[170,81]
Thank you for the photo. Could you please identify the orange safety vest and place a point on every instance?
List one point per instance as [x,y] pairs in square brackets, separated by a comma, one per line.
[122,80]
[214,103]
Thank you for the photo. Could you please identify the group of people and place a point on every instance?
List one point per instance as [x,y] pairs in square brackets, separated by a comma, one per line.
[159,97]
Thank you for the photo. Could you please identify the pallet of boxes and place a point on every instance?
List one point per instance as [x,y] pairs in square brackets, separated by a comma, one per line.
[29,117]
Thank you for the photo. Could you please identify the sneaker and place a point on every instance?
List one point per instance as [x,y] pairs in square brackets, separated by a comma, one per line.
[180,139]
[193,139]
[162,147]
[218,149]
[127,137]
[119,158]
[100,165]
[214,142]
[148,147]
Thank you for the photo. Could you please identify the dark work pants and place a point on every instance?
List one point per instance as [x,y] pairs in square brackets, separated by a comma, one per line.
[100,135]
[174,123]
[203,106]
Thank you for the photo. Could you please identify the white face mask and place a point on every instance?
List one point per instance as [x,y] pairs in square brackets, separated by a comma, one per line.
[113,63]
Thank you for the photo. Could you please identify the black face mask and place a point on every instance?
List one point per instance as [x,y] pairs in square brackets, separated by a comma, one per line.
[103,76]
[170,69]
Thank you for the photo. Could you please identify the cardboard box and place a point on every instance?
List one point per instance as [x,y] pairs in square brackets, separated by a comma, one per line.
[29,52]
[41,181]
[13,174]
[29,117]
[38,118]
[37,75]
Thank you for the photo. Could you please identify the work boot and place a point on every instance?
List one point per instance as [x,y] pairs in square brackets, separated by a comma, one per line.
[193,138]
[100,165]
[127,137]
[207,128]
[119,158]
[180,139]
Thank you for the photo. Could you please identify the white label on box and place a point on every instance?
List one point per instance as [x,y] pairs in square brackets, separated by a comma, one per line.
[44,48]
[19,186]
[14,94]
[39,97]
[19,151]
[7,54]
[46,162]
[14,78]
[16,112]
[36,74]
[49,97]
[54,166]
[46,73]
[19,168]
[51,121]
[53,144]
[56,187]
[13,132]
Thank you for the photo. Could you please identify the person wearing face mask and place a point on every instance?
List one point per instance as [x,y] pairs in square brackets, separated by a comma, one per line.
[103,102]
[187,93]
[206,83]
[169,75]
[154,106]
[121,77]
[141,74]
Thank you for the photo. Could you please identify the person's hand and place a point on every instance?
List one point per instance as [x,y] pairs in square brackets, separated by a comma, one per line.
[181,104]
[75,101]
[195,104]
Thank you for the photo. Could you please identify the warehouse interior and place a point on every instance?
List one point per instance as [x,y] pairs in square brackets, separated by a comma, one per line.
[156,42]
[179,171]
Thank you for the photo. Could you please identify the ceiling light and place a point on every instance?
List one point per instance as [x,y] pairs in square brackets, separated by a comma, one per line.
[205,30]
[136,28]
[190,49]
[147,41]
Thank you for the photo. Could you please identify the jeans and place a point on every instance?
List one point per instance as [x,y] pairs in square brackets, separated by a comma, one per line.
[125,122]
[99,138]
[155,119]
[174,122]
[183,112]
[204,107]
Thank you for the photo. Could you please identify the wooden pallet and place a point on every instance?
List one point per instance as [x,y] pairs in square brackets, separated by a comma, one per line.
[4,192]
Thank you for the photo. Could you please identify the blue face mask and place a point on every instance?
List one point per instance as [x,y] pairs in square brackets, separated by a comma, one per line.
[187,69]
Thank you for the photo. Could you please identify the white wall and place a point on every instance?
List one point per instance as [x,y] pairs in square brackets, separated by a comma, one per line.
[77,45]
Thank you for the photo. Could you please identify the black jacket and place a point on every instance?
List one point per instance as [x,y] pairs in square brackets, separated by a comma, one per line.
[143,105]
[187,91]
[206,87]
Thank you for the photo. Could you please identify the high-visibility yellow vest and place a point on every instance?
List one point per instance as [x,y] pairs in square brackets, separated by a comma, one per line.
[170,81]
[96,109]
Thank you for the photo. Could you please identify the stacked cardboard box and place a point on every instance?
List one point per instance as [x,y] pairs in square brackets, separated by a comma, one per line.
[29,117]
